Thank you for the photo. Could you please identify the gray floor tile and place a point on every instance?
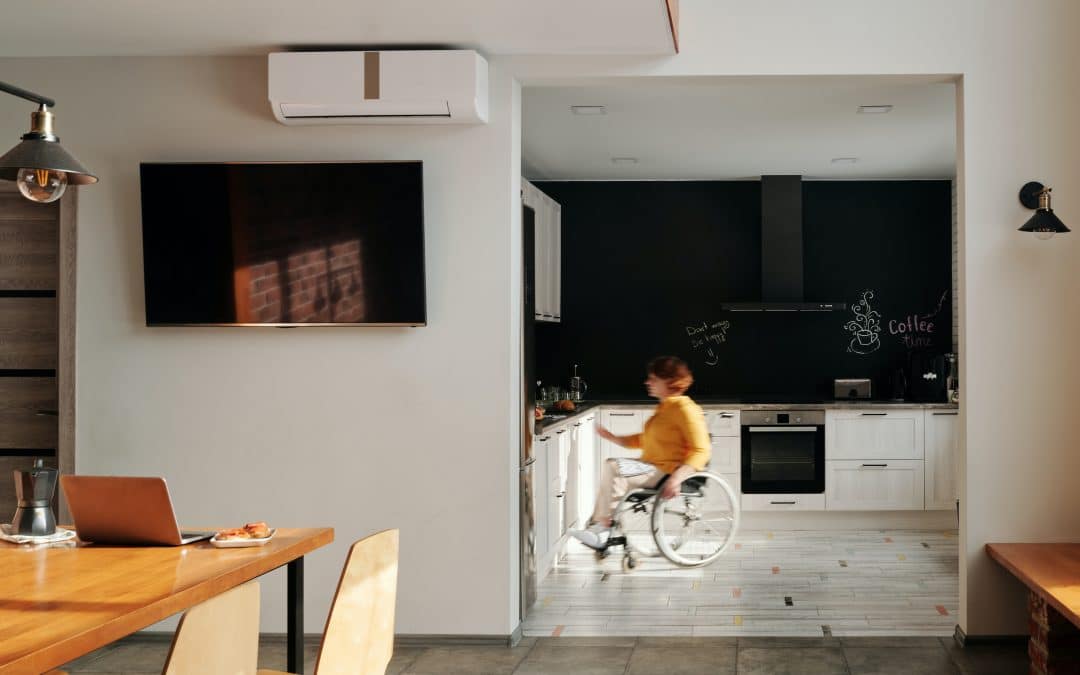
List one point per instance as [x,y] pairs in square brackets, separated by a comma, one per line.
[988,659]
[888,642]
[273,655]
[467,661]
[899,661]
[792,661]
[402,659]
[771,642]
[127,655]
[682,661]
[554,660]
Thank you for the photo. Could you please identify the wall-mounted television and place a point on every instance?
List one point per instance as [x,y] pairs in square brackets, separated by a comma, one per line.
[283,244]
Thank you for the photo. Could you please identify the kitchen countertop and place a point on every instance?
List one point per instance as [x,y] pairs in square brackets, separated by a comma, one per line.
[584,407]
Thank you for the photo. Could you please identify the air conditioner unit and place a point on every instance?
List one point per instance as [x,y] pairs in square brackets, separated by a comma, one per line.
[386,87]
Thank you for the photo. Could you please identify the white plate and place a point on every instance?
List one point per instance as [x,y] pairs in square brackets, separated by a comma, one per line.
[242,543]
[61,534]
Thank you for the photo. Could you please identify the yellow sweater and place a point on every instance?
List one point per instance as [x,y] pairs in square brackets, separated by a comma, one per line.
[674,436]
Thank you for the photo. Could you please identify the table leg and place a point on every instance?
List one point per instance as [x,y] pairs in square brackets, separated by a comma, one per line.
[294,621]
[1054,646]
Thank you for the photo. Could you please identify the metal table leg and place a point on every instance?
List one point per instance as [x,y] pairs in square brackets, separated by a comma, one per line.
[295,616]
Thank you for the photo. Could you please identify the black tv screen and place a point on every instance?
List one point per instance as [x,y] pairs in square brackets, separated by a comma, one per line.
[283,244]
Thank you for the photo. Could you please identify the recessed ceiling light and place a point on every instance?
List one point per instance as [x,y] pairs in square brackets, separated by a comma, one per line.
[874,109]
[624,160]
[588,110]
[844,160]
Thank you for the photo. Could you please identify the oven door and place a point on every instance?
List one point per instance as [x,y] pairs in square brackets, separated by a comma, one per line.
[783,459]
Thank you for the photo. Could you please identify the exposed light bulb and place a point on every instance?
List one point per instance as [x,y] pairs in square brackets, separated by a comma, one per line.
[42,185]
[1044,234]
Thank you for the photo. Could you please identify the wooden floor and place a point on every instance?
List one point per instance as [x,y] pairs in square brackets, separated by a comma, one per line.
[780,583]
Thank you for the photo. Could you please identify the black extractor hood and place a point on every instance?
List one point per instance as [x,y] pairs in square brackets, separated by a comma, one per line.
[782,252]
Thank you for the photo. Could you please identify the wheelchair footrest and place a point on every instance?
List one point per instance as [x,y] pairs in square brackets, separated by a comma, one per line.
[614,541]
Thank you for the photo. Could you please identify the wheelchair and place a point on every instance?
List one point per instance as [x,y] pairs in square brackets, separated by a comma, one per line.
[692,529]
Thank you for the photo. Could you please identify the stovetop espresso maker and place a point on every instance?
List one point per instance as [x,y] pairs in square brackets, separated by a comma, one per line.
[34,489]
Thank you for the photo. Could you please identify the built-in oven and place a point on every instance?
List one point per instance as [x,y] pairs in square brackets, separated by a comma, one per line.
[783,451]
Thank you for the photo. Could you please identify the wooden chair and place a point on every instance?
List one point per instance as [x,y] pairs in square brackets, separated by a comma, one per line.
[359,635]
[219,635]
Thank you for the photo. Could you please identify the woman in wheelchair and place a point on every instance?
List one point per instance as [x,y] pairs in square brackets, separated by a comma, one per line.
[665,503]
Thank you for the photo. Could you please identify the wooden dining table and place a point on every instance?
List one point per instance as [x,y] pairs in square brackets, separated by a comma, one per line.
[58,603]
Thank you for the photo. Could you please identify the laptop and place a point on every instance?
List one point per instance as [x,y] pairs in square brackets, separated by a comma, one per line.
[124,510]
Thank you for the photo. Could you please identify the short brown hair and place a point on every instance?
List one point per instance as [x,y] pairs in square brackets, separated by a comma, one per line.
[673,370]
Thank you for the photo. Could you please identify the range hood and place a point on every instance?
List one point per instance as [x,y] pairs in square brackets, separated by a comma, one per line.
[782,252]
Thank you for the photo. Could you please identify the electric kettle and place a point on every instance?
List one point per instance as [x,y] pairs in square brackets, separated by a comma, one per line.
[34,489]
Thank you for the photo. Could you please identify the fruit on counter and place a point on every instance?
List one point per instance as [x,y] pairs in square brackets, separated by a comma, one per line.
[566,405]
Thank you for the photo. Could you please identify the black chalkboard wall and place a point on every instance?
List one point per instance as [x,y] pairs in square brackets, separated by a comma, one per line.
[646,265]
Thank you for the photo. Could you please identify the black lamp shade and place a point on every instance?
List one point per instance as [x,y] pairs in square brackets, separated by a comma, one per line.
[38,153]
[1044,220]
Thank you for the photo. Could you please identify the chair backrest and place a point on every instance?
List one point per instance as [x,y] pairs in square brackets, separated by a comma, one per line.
[359,636]
[220,635]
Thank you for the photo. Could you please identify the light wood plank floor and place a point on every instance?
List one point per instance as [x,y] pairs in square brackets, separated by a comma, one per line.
[781,583]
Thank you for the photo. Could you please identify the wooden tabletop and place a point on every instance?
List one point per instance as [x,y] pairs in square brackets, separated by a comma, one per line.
[1051,570]
[57,604]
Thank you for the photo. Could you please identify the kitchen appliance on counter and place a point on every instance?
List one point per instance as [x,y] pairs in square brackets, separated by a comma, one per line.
[34,490]
[857,388]
[578,386]
[928,376]
[783,451]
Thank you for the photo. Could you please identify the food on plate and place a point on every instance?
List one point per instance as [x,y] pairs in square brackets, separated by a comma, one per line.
[566,405]
[233,533]
[257,530]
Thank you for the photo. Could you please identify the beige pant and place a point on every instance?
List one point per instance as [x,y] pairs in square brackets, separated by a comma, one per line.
[613,487]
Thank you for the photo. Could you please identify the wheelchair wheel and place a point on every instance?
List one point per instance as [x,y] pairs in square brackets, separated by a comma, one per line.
[633,518]
[696,527]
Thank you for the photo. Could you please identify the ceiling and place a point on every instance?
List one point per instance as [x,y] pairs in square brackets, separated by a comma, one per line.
[148,27]
[740,128]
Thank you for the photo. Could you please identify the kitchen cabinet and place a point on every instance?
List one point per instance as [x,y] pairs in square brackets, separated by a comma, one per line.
[724,434]
[875,485]
[621,423]
[871,434]
[548,251]
[588,464]
[800,502]
[942,433]
[541,512]
[556,494]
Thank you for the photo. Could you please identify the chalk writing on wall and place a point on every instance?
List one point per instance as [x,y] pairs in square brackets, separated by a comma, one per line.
[917,330]
[865,326]
[706,337]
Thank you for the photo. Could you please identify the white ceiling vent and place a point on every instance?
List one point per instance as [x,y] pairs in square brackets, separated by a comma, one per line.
[387,87]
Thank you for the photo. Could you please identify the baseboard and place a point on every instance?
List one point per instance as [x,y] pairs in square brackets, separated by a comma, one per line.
[314,639]
[848,520]
[965,640]
[457,640]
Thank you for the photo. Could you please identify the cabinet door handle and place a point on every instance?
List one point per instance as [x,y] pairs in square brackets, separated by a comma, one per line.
[874,414]
[726,416]
[776,502]
[949,414]
[876,466]
[577,424]
[560,495]
[544,438]
[561,431]
[615,414]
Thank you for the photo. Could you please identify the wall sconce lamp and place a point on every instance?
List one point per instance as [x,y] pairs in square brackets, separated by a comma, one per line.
[41,168]
[1044,223]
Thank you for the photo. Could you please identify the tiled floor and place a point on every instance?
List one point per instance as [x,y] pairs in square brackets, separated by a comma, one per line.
[637,656]
[790,583]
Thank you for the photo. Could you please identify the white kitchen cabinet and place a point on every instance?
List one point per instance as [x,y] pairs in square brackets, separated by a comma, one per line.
[872,434]
[541,487]
[555,493]
[726,454]
[588,463]
[874,485]
[547,251]
[621,423]
[567,479]
[800,502]
[722,422]
[942,457]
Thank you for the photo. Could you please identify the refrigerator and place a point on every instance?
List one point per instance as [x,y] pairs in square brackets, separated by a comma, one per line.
[528,505]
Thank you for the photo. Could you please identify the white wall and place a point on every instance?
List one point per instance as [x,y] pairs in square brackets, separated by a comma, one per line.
[326,426]
[359,429]
[1019,99]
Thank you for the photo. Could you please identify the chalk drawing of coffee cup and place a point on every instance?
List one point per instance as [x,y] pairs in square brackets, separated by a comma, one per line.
[865,338]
